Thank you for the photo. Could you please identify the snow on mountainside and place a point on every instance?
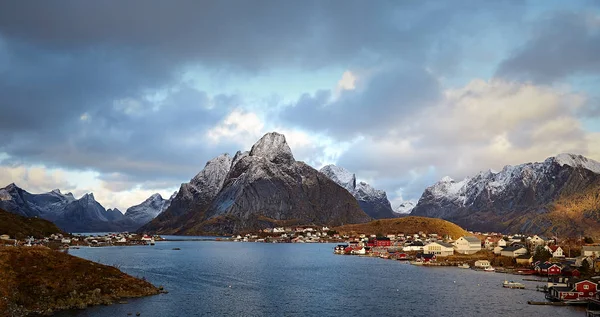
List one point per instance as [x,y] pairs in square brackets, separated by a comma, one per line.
[405,207]
[577,161]
[373,201]
[491,200]
[148,209]
[341,176]
[264,187]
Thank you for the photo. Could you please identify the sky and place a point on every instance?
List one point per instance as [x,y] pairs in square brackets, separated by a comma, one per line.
[129,98]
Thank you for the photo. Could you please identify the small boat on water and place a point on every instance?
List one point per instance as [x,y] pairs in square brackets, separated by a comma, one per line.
[511,284]
[489,269]
[464,266]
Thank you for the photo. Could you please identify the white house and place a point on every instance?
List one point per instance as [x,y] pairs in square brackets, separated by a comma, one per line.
[498,250]
[482,264]
[556,251]
[414,246]
[501,243]
[4,237]
[65,241]
[467,245]
[513,251]
[591,250]
[278,230]
[537,240]
[439,249]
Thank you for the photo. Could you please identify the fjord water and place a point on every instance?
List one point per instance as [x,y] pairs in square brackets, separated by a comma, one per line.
[211,278]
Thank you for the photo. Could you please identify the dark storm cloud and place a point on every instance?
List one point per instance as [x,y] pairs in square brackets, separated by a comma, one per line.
[563,45]
[74,74]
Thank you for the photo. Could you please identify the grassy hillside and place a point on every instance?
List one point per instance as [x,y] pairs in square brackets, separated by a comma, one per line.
[38,280]
[406,225]
[23,227]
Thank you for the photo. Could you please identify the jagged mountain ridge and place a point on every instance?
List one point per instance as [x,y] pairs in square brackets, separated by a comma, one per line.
[372,201]
[148,209]
[261,188]
[517,199]
[69,214]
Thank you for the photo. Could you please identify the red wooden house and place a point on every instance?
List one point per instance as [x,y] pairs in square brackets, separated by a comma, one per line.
[383,242]
[380,242]
[554,269]
[582,289]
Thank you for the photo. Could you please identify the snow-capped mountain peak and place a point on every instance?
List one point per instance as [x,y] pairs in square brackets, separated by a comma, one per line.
[148,209]
[274,148]
[341,176]
[575,160]
[405,207]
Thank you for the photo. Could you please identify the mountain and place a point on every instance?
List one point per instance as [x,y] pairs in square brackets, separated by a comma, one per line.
[264,187]
[21,202]
[559,196]
[405,207]
[21,227]
[148,209]
[69,214]
[372,201]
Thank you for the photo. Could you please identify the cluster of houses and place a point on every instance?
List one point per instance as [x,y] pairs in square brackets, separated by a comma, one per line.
[289,234]
[59,238]
[65,241]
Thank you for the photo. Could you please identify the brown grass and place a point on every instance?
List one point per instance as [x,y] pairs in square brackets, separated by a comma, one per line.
[40,280]
[406,225]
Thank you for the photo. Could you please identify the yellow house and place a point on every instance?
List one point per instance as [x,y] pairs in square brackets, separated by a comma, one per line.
[524,259]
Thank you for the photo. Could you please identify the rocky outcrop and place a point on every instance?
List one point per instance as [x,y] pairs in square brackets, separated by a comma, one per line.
[261,188]
[372,201]
[509,200]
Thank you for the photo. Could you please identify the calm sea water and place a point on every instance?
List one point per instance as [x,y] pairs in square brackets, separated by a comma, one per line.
[260,279]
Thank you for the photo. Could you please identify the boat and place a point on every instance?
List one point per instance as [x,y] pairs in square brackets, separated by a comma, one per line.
[511,284]
[416,262]
[464,266]
[489,269]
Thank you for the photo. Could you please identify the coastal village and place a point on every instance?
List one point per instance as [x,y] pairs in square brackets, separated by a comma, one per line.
[571,272]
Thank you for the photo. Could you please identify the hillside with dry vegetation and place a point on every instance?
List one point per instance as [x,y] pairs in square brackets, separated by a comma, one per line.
[574,214]
[37,280]
[23,227]
[406,225]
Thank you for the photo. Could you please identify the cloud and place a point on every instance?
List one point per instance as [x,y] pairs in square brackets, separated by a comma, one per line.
[562,45]
[35,179]
[485,124]
[373,106]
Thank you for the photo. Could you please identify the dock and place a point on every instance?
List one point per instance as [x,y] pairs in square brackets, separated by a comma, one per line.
[547,303]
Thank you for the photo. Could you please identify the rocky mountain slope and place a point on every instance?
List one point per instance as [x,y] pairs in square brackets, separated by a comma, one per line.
[261,188]
[372,201]
[148,209]
[546,197]
[69,214]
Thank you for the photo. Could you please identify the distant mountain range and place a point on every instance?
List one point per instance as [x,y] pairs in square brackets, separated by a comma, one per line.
[560,196]
[253,190]
[372,201]
[78,215]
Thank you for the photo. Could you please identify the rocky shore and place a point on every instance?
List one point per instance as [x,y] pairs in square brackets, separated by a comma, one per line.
[40,281]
